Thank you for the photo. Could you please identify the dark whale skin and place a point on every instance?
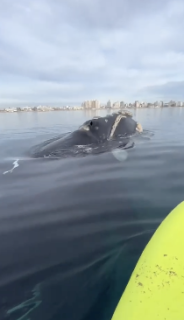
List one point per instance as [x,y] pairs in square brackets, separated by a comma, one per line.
[101,134]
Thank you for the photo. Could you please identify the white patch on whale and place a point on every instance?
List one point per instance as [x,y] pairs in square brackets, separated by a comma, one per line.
[106,120]
[120,155]
[80,146]
[15,165]
[86,148]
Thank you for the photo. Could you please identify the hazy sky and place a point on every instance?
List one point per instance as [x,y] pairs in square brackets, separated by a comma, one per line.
[71,50]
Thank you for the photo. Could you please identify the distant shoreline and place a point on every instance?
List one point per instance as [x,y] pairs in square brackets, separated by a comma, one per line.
[126,107]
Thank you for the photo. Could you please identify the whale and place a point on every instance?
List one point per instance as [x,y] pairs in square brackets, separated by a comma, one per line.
[94,136]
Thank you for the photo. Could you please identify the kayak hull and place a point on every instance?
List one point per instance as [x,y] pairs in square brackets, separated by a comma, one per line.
[156,287]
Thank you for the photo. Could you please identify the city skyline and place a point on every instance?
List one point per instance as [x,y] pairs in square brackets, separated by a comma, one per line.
[96,105]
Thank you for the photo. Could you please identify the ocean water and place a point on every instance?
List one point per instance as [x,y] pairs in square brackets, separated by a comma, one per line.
[72,230]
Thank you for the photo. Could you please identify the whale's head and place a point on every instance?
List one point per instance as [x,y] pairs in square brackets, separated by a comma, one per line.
[120,124]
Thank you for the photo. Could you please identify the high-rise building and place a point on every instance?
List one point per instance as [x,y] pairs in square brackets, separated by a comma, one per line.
[109,104]
[116,105]
[95,104]
[91,104]
[86,104]
[172,103]
[122,104]
[179,104]
[137,104]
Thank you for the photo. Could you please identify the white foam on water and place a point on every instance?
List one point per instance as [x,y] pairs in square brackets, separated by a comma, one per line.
[120,155]
[15,165]
[19,159]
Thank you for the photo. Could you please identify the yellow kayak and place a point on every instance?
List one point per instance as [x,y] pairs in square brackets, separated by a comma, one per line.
[156,288]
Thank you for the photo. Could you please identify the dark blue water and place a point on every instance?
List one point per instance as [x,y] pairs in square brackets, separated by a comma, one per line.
[71,230]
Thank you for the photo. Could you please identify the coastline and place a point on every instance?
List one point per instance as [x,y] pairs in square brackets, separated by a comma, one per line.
[77,108]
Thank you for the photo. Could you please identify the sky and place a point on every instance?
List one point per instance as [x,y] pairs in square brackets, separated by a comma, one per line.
[73,50]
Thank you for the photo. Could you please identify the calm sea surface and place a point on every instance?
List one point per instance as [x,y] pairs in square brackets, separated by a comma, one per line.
[71,230]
